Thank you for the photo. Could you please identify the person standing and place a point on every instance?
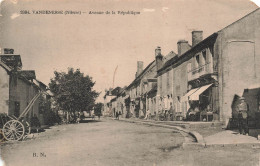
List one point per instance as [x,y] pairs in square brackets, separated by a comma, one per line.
[146,115]
[243,117]
[117,115]
[172,112]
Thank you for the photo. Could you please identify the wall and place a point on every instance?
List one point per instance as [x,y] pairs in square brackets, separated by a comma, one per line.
[4,90]
[180,86]
[239,59]
[137,90]
[23,92]
[107,109]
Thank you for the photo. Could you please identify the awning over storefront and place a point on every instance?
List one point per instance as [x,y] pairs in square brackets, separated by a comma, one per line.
[186,96]
[196,94]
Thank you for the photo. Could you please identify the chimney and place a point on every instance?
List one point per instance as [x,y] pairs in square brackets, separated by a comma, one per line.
[140,65]
[8,51]
[158,58]
[197,36]
[183,46]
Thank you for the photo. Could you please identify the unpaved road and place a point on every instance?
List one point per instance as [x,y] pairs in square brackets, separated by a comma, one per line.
[116,143]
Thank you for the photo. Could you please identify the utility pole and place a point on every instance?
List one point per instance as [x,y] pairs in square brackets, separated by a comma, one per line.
[113,86]
[114,77]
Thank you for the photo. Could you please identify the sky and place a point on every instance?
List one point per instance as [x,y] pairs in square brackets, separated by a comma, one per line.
[98,43]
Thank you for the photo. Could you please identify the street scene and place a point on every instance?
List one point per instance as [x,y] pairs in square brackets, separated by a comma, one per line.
[129,83]
[124,144]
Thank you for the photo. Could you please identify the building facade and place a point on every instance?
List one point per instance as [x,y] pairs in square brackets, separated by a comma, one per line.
[109,97]
[18,87]
[212,71]
[203,78]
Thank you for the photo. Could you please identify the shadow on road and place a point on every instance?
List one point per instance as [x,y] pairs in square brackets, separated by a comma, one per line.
[252,132]
[89,121]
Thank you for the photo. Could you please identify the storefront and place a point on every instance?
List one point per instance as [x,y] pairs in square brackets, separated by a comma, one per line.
[199,103]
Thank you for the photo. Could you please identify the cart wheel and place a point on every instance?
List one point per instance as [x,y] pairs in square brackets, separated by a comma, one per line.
[13,130]
[2,138]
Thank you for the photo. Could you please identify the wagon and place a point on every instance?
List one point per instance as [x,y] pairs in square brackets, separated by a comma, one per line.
[16,128]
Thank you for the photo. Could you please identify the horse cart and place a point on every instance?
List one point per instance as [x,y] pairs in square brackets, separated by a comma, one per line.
[16,128]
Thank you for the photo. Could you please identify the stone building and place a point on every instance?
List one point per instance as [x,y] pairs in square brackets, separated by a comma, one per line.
[18,87]
[109,97]
[212,71]
[137,89]
[141,90]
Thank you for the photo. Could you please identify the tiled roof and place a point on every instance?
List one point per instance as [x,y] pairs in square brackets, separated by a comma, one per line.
[115,91]
[177,60]
[12,61]
[140,75]
[28,74]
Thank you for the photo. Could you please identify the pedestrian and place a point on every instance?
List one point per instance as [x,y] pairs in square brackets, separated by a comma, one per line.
[172,112]
[243,117]
[93,116]
[117,115]
[147,114]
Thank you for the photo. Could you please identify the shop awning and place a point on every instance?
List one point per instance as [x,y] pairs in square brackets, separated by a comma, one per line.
[195,95]
[186,96]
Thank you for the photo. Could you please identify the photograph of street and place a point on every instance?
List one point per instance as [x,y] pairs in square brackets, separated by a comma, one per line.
[129,83]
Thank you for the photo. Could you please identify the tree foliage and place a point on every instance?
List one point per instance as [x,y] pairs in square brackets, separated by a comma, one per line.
[98,108]
[73,91]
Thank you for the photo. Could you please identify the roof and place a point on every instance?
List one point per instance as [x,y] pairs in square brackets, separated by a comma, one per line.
[239,19]
[169,56]
[123,92]
[41,85]
[140,75]
[177,60]
[252,92]
[114,92]
[198,46]
[28,74]
[49,93]
[114,99]
[12,61]
[171,61]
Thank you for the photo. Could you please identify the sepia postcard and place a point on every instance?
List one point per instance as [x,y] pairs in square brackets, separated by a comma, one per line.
[129,82]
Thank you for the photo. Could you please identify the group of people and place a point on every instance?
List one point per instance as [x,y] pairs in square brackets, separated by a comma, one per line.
[199,112]
[163,114]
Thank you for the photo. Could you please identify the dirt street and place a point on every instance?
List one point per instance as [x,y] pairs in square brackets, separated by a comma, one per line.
[116,143]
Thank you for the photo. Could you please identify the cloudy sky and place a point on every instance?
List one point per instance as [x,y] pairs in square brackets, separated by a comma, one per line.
[98,43]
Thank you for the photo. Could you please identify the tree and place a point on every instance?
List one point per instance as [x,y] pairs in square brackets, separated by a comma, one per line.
[98,109]
[73,91]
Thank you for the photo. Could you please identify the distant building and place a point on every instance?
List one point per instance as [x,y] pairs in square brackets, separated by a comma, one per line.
[109,95]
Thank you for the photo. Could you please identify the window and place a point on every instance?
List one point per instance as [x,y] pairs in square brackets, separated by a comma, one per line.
[188,67]
[204,56]
[210,55]
[197,62]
